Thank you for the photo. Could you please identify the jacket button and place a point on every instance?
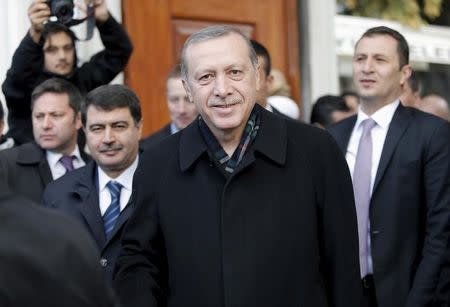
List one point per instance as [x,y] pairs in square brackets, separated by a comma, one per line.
[375,232]
[104,262]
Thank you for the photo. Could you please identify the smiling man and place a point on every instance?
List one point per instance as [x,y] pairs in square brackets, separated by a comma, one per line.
[98,196]
[28,169]
[399,159]
[233,210]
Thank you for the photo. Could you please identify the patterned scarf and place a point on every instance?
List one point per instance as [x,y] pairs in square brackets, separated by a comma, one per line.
[230,163]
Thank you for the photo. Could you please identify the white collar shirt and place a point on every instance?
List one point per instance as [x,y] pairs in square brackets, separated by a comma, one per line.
[57,168]
[125,179]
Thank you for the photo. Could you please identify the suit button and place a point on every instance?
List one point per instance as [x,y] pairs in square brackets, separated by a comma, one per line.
[104,262]
[375,232]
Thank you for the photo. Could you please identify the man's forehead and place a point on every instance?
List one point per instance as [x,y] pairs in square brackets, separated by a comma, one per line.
[58,39]
[100,114]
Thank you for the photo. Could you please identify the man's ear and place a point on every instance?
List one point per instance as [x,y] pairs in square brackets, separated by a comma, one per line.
[78,124]
[187,89]
[406,72]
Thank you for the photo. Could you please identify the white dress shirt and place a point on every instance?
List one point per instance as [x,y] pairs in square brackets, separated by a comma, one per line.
[383,118]
[125,179]
[57,168]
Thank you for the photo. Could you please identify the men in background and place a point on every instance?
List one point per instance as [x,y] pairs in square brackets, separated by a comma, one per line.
[265,78]
[280,96]
[411,91]
[27,169]
[5,142]
[47,260]
[98,196]
[399,159]
[328,110]
[182,111]
[48,50]
[234,210]
[436,105]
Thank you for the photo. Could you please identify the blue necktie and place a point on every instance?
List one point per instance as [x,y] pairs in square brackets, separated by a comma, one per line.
[112,213]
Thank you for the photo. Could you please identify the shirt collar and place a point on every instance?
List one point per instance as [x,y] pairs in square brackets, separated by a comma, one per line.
[125,179]
[53,157]
[173,128]
[382,116]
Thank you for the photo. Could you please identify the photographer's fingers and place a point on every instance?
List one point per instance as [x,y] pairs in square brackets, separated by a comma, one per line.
[38,13]
[101,10]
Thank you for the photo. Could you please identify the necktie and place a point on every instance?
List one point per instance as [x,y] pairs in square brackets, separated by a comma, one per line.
[361,188]
[112,213]
[67,162]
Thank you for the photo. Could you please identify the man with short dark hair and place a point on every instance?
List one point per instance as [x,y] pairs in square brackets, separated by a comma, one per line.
[182,111]
[48,50]
[98,196]
[328,110]
[400,163]
[242,207]
[28,168]
[265,78]
[411,91]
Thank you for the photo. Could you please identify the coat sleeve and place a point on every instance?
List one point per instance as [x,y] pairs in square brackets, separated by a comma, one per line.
[106,64]
[338,226]
[436,183]
[140,272]
[21,77]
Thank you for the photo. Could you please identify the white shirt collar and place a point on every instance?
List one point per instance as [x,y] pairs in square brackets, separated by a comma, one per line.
[125,179]
[382,116]
[53,157]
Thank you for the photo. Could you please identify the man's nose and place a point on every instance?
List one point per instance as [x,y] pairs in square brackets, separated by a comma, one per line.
[47,122]
[108,136]
[222,86]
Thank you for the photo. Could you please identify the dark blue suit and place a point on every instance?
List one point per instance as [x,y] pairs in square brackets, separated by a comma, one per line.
[76,194]
[410,206]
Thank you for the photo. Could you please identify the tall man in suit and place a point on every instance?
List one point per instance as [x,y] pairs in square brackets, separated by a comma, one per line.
[399,159]
[27,169]
[233,210]
[182,111]
[98,196]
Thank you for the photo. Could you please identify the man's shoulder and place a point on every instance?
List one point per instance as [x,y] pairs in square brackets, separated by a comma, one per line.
[28,154]
[70,182]
[156,137]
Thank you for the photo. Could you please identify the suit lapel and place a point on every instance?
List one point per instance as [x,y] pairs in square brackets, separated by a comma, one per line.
[400,122]
[87,189]
[44,171]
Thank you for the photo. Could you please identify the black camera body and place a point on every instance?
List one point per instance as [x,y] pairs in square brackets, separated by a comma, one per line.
[62,10]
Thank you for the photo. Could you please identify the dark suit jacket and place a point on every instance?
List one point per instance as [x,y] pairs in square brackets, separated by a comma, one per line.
[280,231]
[410,206]
[25,170]
[156,137]
[76,195]
[47,259]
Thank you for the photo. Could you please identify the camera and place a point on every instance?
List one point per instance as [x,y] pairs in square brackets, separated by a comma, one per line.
[62,10]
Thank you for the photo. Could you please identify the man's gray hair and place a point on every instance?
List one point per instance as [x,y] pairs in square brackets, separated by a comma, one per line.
[211,33]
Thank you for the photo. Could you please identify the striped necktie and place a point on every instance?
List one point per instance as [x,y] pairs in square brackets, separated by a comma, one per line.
[112,213]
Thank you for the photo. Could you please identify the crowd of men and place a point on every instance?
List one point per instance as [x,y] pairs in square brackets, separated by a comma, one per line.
[232,203]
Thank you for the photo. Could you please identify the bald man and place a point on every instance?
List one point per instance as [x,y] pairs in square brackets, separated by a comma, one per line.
[436,105]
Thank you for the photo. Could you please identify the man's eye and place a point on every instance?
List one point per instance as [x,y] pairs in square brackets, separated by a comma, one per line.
[206,77]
